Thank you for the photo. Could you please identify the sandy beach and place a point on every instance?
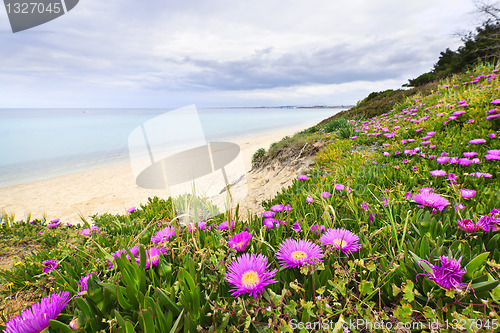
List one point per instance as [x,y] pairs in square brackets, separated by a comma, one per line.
[110,189]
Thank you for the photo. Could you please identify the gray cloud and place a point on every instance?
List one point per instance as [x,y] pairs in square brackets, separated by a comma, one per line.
[120,50]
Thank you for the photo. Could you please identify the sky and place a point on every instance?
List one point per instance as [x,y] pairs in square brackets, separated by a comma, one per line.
[223,53]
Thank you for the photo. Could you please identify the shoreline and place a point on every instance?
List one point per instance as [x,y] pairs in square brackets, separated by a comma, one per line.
[109,189]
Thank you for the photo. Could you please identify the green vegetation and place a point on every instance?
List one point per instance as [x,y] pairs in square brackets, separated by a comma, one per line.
[373,184]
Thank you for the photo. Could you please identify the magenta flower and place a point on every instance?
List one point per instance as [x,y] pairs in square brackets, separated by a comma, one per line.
[325,195]
[488,222]
[225,225]
[493,116]
[249,274]
[317,229]
[288,208]
[131,209]
[464,162]
[469,154]
[448,274]
[49,265]
[240,241]
[364,205]
[477,141]
[309,199]
[296,227]
[339,187]
[438,173]
[341,239]
[83,283]
[466,193]
[268,213]
[87,232]
[134,250]
[152,256]
[494,152]
[53,223]
[491,157]
[278,208]
[269,222]
[36,318]
[458,113]
[303,177]
[295,253]
[467,225]
[495,101]
[430,199]
[442,159]
[165,234]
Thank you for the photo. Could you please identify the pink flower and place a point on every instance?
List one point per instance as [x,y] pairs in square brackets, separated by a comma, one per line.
[494,151]
[339,187]
[495,101]
[477,141]
[309,199]
[467,225]
[464,161]
[303,177]
[240,241]
[268,213]
[438,173]
[325,195]
[131,209]
[490,157]
[466,193]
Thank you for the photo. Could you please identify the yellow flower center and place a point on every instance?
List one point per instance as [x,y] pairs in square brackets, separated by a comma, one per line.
[240,243]
[340,242]
[299,255]
[250,278]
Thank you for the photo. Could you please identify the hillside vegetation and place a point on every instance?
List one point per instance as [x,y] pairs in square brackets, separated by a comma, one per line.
[395,227]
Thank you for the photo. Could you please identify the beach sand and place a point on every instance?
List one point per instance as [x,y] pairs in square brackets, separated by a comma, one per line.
[111,189]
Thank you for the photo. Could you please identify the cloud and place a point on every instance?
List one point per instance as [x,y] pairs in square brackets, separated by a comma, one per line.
[171,50]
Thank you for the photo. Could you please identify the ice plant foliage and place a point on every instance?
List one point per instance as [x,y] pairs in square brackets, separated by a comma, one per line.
[447,274]
[341,239]
[250,274]
[36,318]
[295,253]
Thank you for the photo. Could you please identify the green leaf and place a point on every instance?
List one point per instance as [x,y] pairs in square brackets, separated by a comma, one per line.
[168,302]
[472,266]
[146,321]
[366,287]
[484,286]
[59,326]
[425,266]
[408,291]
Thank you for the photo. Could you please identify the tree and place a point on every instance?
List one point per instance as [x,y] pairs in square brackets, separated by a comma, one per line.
[483,44]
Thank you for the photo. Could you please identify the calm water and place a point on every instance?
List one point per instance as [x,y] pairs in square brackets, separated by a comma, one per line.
[43,143]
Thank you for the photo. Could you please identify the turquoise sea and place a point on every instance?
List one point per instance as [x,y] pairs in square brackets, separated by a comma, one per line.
[43,143]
